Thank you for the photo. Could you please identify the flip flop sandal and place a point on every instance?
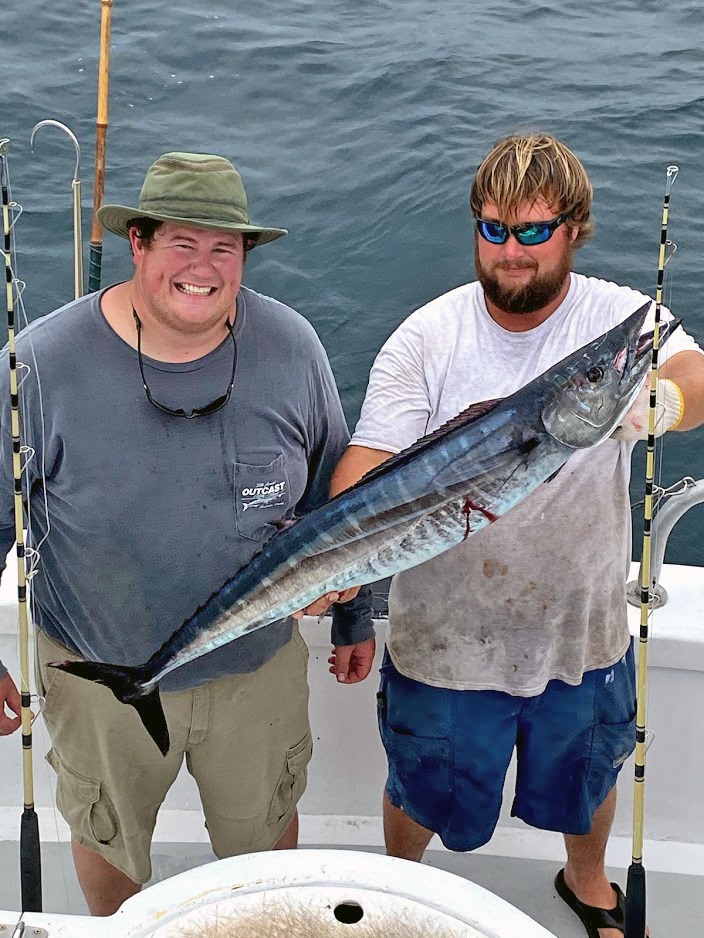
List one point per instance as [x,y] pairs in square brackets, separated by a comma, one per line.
[592,917]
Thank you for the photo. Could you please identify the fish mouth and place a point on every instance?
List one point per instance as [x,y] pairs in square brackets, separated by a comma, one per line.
[644,345]
[631,356]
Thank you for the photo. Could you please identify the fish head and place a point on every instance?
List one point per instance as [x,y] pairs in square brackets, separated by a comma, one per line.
[592,390]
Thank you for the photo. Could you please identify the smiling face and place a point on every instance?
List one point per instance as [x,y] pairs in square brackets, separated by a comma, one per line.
[520,279]
[188,279]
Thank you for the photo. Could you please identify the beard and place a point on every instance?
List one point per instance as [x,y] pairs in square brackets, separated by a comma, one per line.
[523,299]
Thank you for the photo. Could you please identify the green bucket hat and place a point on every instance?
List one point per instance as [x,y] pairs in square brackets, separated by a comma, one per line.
[190,189]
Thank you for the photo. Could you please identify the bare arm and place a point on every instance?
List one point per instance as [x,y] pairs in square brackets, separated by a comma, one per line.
[686,369]
[356,462]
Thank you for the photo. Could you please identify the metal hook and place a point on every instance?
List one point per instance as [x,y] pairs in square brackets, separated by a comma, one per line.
[50,122]
[76,188]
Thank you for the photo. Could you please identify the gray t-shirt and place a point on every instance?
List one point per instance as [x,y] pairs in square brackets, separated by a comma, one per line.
[149,514]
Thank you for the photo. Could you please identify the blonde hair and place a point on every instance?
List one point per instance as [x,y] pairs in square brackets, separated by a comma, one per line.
[525,168]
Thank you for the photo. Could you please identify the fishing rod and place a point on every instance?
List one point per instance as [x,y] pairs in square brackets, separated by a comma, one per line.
[30,855]
[96,235]
[76,187]
[635,890]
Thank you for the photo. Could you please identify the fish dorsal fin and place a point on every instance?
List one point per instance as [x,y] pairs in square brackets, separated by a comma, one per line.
[465,417]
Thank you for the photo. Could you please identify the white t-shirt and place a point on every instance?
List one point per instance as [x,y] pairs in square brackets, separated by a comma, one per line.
[540,593]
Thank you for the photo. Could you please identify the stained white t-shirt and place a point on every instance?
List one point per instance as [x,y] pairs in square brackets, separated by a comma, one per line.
[540,593]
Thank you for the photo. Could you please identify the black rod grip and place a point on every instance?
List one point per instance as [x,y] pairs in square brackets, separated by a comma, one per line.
[30,862]
[635,902]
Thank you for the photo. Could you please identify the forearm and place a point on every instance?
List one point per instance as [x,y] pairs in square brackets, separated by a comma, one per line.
[686,369]
[352,620]
[355,463]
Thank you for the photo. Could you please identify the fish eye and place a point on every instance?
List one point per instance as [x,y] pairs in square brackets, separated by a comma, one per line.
[595,373]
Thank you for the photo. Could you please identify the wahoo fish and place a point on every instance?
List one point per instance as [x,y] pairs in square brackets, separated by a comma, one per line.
[443,489]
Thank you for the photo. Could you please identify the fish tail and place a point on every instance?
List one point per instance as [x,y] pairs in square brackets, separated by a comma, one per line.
[127,685]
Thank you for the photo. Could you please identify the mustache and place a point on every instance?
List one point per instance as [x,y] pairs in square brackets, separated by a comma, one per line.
[515,265]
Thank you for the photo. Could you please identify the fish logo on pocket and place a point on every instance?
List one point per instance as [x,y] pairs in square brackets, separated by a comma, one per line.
[263,495]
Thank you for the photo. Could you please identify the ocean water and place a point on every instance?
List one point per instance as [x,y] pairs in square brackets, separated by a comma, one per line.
[357,125]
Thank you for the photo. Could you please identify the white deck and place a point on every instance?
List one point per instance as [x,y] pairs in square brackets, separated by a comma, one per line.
[346,777]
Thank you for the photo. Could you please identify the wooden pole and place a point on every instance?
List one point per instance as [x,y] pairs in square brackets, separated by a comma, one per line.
[96,234]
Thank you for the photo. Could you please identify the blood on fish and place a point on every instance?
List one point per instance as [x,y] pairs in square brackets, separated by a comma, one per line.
[469,507]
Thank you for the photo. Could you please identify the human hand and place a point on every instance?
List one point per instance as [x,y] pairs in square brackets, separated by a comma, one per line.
[321,606]
[668,412]
[352,663]
[10,700]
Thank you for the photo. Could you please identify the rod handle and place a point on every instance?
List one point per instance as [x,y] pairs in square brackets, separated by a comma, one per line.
[635,902]
[30,864]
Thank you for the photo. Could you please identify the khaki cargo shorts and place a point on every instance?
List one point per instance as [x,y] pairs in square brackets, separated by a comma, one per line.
[246,740]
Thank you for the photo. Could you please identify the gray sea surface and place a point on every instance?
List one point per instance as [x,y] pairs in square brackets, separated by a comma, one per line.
[357,125]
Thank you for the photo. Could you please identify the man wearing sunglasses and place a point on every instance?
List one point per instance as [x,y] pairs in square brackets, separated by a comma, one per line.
[176,419]
[517,638]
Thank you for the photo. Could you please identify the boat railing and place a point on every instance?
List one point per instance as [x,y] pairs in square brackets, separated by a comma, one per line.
[672,504]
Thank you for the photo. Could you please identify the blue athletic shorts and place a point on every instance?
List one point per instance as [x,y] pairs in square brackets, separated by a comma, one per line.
[449,750]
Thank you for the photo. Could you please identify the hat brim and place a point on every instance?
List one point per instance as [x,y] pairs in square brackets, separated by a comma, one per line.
[115,218]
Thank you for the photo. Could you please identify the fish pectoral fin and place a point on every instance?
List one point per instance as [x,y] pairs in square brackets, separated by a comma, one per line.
[284,523]
[554,475]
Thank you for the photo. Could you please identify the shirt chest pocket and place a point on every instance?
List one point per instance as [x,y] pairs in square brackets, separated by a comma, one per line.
[262,497]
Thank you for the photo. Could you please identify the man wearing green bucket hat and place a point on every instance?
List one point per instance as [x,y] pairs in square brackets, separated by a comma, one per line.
[183,417]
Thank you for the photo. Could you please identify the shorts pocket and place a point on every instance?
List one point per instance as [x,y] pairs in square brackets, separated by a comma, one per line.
[416,760]
[612,744]
[420,776]
[83,804]
[292,781]
[48,681]
[262,497]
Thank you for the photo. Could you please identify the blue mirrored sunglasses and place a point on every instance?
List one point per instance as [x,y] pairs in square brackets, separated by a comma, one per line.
[527,234]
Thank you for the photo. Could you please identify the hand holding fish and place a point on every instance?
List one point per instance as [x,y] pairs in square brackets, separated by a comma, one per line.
[321,606]
[352,663]
[668,414]
[10,700]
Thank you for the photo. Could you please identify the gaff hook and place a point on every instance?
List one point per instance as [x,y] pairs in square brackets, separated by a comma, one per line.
[50,122]
[76,187]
